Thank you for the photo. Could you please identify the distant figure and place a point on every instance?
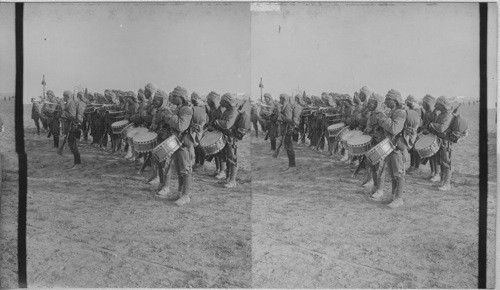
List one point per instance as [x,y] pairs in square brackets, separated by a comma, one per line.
[35,115]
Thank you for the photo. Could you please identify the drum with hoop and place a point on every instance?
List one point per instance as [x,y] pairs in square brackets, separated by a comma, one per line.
[380,151]
[134,132]
[348,135]
[332,118]
[359,145]
[212,142]
[334,130]
[166,148]
[118,126]
[306,112]
[145,142]
[127,129]
[116,114]
[427,145]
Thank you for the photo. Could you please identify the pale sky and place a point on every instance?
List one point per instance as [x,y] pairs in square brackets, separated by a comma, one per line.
[415,48]
[336,47]
[201,47]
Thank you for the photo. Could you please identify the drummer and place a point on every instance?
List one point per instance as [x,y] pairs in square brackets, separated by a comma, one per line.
[330,109]
[347,118]
[130,115]
[160,179]
[200,118]
[393,126]
[375,172]
[416,112]
[226,124]
[179,121]
[215,113]
[440,128]
[431,114]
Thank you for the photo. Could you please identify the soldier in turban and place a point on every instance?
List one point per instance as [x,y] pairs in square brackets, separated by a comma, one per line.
[52,111]
[393,125]
[430,116]
[440,128]
[215,112]
[227,125]
[179,121]
[200,118]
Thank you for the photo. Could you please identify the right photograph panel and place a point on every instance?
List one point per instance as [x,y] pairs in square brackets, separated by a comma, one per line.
[365,145]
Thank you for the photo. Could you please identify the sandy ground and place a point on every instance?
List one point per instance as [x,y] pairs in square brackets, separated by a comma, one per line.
[8,198]
[102,227]
[317,229]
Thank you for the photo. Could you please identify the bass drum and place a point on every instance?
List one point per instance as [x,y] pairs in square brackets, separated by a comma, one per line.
[212,142]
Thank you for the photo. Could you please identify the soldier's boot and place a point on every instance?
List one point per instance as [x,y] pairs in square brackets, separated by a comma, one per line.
[368,181]
[60,149]
[129,152]
[378,189]
[273,144]
[184,194]
[232,179]
[440,177]
[222,173]
[291,162]
[447,179]
[398,192]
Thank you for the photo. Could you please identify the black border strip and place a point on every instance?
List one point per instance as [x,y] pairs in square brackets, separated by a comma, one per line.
[21,155]
[483,144]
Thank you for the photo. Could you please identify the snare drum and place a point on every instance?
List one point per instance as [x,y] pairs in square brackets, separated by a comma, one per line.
[212,142]
[126,130]
[117,127]
[427,145]
[359,145]
[348,135]
[166,148]
[145,142]
[334,130]
[134,132]
[380,151]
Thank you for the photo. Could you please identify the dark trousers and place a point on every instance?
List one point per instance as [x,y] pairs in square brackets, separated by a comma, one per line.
[199,156]
[256,127]
[37,124]
[73,146]
[287,142]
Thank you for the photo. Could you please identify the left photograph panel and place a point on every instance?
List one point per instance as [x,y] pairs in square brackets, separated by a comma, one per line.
[138,159]
[8,158]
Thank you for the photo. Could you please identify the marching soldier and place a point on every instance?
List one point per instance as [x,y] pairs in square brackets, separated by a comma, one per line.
[52,112]
[227,125]
[431,114]
[179,121]
[393,126]
[215,113]
[72,116]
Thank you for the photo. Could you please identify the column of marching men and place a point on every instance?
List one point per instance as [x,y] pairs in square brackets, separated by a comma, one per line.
[166,131]
[368,131]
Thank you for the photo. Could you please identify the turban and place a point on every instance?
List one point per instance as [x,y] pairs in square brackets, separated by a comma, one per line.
[365,92]
[230,99]
[195,96]
[180,92]
[267,95]
[356,98]
[317,101]
[445,102]
[377,98]
[140,95]
[429,100]
[411,99]
[68,94]
[394,95]
[151,87]
[50,94]
[214,97]
[307,99]
[162,95]
[346,97]
[131,95]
